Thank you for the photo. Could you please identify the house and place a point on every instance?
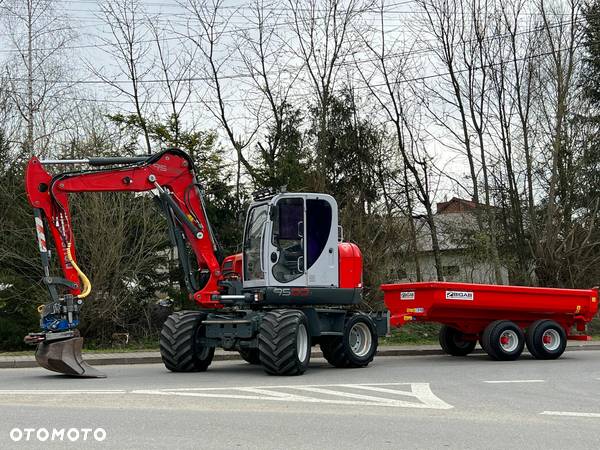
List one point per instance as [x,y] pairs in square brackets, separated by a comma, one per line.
[459,241]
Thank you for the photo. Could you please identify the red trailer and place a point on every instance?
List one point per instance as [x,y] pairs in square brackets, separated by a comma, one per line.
[503,318]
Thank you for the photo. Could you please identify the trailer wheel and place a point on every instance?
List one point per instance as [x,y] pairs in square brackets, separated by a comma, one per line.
[250,355]
[284,342]
[453,342]
[503,340]
[356,348]
[179,347]
[546,339]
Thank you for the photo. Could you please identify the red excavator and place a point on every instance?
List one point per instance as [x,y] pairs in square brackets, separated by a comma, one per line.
[293,286]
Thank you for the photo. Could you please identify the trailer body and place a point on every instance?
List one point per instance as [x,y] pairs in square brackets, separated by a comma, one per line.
[471,307]
[499,317]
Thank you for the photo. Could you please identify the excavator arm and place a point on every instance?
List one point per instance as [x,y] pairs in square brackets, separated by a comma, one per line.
[170,176]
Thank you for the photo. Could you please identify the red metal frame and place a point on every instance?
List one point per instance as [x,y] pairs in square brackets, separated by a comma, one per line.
[471,307]
[172,171]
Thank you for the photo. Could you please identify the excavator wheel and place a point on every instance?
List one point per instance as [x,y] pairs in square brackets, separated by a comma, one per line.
[179,347]
[284,342]
[356,348]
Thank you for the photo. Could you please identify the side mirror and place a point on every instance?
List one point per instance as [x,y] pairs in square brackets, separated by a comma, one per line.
[340,233]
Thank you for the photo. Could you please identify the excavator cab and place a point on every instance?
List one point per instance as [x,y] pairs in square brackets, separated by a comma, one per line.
[293,251]
[291,240]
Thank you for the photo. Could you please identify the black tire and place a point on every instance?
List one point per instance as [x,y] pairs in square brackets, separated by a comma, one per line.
[284,342]
[356,348]
[540,330]
[493,340]
[453,342]
[179,347]
[250,355]
[482,344]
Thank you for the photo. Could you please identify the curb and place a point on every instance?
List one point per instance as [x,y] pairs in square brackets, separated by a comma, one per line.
[24,362]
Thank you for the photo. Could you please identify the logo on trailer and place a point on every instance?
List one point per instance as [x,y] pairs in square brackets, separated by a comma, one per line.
[459,295]
[407,295]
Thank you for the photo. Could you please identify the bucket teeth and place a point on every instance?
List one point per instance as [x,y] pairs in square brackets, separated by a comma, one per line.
[65,357]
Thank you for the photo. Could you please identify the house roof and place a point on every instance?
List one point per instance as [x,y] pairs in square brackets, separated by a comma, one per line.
[456,205]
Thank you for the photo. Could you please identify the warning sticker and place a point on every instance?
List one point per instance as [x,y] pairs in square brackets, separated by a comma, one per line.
[459,295]
[407,295]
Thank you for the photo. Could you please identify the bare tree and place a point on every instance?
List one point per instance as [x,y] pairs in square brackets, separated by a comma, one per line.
[325,35]
[38,37]
[263,52]
[129,46]
[461,38]
[393,73]
[560,68]
[207,33]
[175,68]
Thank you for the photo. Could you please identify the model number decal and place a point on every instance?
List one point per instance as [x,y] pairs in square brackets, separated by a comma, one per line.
[407,295]
[292,292]
[459,295]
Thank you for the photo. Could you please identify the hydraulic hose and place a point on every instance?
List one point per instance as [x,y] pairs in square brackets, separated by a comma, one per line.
[87,286]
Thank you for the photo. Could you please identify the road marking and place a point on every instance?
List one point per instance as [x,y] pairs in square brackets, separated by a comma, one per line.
[420,394]
[421,391]
[514,381]
[59,391]
[571,414]
[399,395]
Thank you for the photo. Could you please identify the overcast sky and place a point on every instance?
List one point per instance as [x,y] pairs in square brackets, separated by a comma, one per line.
[88,51]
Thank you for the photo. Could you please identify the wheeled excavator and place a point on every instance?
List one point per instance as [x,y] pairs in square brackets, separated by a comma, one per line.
[295,284]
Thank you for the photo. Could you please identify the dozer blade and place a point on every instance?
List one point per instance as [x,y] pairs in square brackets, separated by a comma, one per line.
[65,357]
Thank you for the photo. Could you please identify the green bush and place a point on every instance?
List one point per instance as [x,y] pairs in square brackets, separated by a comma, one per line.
[12,333]
[413,333]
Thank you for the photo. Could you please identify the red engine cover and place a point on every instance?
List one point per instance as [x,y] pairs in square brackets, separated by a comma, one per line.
[232,266]
[351,265]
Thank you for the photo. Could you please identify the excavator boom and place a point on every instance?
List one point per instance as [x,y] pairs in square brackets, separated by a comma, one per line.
[170,176]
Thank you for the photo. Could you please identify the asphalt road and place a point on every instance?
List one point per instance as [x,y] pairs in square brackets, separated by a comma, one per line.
[397,402]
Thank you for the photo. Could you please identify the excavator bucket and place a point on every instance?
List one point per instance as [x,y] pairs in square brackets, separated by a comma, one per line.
[65,357]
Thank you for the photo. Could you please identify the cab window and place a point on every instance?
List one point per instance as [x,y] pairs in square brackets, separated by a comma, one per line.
[288,240]
[257,217]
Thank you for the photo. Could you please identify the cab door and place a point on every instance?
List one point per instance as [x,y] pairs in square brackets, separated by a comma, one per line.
[254,246]
[287,254]
[321,241]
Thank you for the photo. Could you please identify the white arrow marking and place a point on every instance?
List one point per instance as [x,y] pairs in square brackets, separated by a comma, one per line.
[58,392]
[570,414]
[421,392]
[514,381]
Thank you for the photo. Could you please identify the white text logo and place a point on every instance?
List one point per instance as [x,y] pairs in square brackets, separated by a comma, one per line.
[58,434]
